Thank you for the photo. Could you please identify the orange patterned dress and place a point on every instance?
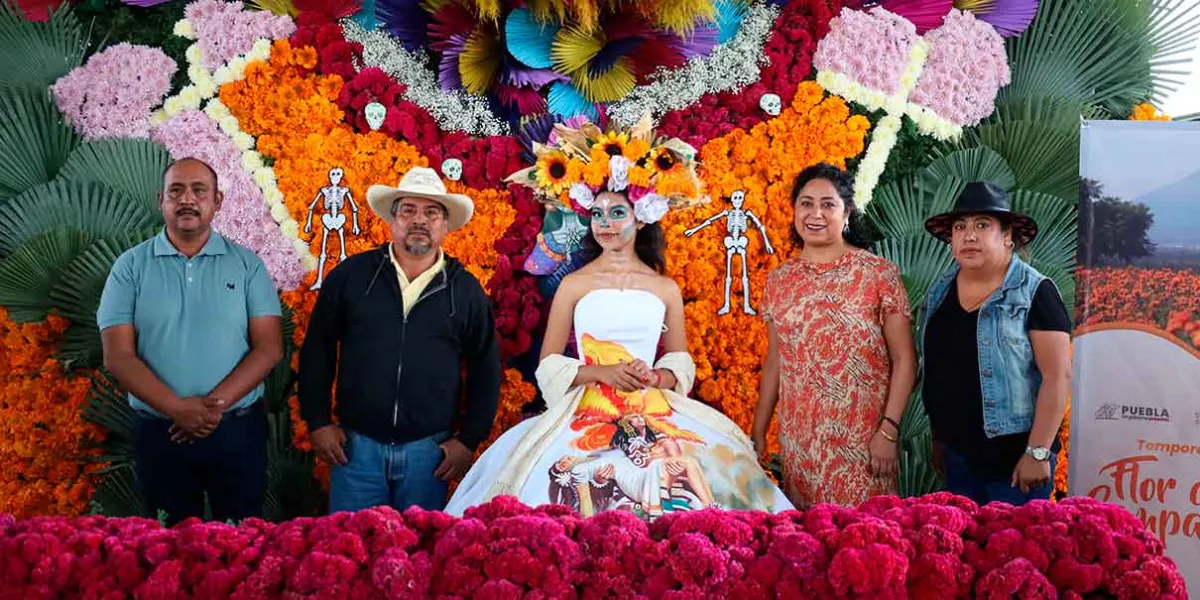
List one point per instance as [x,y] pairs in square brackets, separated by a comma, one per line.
[834,372]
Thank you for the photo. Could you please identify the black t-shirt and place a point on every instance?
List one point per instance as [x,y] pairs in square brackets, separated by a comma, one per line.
[951,389]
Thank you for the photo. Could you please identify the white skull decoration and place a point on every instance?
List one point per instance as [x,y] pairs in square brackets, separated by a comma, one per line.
[771,104]
[375,113]
[452,169]
[737,198]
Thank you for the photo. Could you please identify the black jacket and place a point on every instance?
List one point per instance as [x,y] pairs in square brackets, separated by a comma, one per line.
[399,379]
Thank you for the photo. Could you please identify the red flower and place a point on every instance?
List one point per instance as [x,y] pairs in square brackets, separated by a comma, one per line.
[1016,579]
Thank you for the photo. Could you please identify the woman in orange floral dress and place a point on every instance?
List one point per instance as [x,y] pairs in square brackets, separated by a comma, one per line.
[841,362]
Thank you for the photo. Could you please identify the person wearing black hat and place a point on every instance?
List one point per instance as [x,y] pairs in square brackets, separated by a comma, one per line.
[995,354]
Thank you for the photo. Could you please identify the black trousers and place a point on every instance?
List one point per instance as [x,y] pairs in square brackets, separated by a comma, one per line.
[230,465]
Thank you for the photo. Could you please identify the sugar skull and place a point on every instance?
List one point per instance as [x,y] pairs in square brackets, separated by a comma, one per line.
[771,104]
[375,113]
[452,168]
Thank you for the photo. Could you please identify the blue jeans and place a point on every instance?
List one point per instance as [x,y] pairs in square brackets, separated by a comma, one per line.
[961,481]
[398,475]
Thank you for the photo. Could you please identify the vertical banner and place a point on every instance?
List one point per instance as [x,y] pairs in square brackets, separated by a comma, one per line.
[1135,418]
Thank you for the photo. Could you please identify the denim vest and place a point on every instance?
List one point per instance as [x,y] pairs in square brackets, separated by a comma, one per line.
[1008,375]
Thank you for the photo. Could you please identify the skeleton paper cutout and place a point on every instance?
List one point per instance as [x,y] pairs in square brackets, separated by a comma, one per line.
[375,113]
[452,169]
[336,197]
[772,104]
[737,221]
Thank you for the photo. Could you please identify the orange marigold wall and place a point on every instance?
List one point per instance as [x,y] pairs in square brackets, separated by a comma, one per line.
[46,442]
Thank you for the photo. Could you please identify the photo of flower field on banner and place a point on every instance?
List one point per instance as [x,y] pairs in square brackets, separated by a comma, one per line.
[300,106]
[1137,438]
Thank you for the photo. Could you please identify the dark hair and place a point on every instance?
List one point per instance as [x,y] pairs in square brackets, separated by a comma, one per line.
[859,232]
[211,171]
[650,245]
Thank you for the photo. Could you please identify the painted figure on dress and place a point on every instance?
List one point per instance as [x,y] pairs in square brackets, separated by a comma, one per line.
[995,337]
[840,362]
[619,432]
[190,325]
[392,329]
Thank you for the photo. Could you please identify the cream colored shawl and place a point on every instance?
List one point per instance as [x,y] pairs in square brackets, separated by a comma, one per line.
[555,375]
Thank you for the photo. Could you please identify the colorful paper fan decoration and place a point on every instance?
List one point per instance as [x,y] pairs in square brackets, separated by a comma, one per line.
[924,14]
[565,57]
[1010,17]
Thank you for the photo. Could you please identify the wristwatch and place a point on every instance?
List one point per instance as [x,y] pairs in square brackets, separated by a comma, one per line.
[1039,453]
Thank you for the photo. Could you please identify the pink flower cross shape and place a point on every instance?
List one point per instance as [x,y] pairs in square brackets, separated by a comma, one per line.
[943,81]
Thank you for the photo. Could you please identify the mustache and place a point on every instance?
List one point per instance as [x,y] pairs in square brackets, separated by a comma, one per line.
[187,211]
[418,229]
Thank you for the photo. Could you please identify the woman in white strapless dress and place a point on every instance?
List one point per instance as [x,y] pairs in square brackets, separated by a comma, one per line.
[618,433]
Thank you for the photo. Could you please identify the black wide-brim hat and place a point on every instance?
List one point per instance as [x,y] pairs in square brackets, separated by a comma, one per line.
[983,198]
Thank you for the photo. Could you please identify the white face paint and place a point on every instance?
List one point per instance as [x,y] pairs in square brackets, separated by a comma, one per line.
[738,198]
[452,168]
[375,113]
[335,175]
[771,104]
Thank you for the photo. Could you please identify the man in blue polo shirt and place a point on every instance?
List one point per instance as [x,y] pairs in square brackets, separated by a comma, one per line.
[190,324]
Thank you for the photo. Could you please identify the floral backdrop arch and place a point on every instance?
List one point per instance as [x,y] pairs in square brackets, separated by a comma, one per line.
[915,97]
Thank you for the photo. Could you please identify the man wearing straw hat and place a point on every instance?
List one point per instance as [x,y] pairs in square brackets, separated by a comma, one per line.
[394,327]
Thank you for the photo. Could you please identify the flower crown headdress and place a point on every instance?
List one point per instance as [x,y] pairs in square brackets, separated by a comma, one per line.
[579,163]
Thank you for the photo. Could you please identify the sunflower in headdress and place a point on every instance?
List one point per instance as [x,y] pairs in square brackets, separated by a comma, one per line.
[612,143]
[552,171]
[662,160]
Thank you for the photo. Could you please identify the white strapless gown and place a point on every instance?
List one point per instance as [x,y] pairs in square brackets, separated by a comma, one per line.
[628,451]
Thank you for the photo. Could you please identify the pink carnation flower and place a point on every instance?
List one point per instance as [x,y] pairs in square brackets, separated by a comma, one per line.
[226,30]
[244,217]
[964,71]
[113,94]
[869,47]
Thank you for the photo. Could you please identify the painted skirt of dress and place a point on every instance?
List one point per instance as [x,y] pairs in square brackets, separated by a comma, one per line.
[630,451]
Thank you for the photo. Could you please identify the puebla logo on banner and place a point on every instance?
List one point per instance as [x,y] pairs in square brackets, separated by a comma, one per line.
[1135,422]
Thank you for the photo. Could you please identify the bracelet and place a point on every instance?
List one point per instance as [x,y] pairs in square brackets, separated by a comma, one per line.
[887,437]
[890,420]
[658,378]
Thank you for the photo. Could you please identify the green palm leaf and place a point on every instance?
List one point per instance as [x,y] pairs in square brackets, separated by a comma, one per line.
[133,167]
[36,54]
[1043,155]
[70,206]
[34,140]
[117,494]
[973,164]
[921,258]
[28,275]
[108,406]
[1054,251]
[917,475]
[1107,53]
[77,296]
[291,489]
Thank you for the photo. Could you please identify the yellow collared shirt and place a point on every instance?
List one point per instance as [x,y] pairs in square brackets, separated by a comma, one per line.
[411,290]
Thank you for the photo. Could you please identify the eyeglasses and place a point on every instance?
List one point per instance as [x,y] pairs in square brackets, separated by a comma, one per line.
[410,211]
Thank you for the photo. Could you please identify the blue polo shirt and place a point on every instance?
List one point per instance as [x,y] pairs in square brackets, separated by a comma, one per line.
[192,315]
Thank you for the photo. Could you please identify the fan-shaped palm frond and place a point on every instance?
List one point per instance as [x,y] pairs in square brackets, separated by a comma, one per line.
[77,295]
[108,406]
[921,258]
[117,495]
[973,164]
[28,275]
[1054,251]
[917,475]
[1043,156]
[34,139]
[133,167]
[1108,53]
[900,208]
[70,206]
[291,489]
[36,54]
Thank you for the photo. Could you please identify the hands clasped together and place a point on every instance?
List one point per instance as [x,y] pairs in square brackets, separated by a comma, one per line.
[628,376]
[195,418]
